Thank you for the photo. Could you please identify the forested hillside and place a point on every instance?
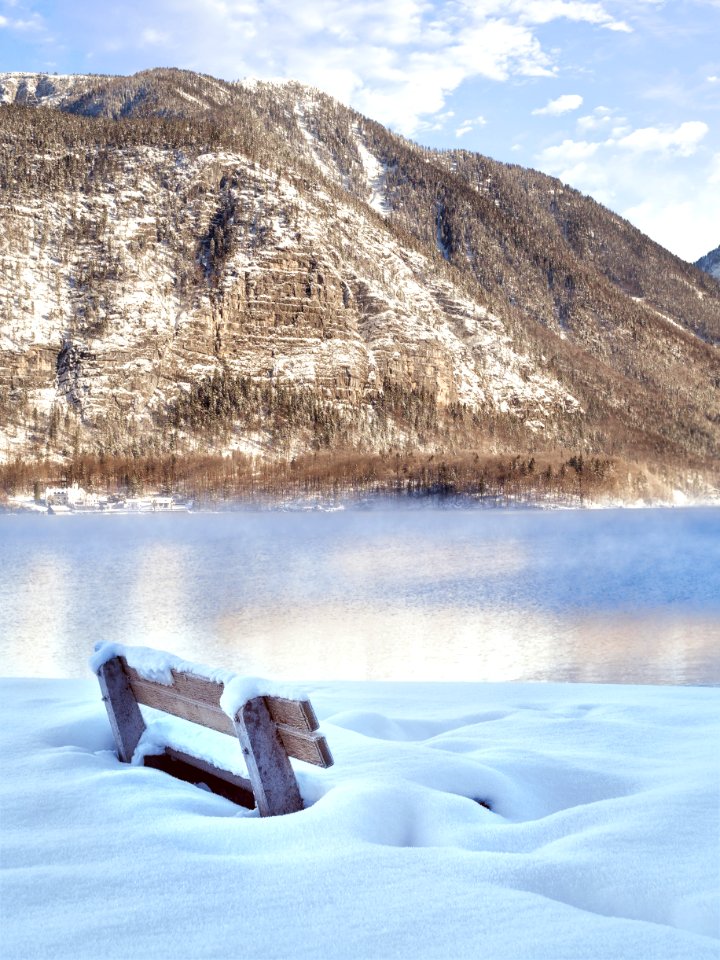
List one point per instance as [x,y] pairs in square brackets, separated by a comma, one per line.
[192,267]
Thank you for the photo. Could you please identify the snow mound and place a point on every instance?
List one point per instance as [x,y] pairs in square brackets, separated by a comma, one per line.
[508,820]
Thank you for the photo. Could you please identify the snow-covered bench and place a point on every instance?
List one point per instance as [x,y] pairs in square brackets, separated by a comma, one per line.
[270,728]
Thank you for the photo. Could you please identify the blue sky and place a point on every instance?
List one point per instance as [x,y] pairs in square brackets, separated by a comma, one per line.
[620,99]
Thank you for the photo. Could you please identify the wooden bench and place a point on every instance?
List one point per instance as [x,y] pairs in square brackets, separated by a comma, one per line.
[271,729]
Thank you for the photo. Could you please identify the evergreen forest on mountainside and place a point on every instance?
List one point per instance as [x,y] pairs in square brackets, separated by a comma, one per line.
[225,288]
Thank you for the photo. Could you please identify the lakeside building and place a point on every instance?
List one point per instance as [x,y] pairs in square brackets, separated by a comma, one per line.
[74,499]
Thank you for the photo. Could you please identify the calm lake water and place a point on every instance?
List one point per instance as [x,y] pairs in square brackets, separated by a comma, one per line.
[382,593]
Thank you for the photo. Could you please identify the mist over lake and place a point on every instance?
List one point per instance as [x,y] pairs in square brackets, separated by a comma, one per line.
[380,593]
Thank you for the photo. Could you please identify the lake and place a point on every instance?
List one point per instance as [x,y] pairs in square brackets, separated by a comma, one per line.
[385,592]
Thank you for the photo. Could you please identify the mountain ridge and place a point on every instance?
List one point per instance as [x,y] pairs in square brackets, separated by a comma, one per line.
[710,263]
[192,264]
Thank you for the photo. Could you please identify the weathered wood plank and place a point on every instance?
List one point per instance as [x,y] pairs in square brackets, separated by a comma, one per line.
[192,769]
[198,700]
[274,785]
[293,713]
[310,747]
[185,686]
[162,697]
[123,712]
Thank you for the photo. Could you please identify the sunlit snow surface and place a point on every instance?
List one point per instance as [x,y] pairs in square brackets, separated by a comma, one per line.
[602,840]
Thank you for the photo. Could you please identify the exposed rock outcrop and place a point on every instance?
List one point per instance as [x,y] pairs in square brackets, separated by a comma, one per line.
[186,264]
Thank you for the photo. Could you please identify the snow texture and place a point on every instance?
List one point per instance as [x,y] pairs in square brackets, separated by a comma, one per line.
[239,690]
[533,821]
[157,665]
[376,175]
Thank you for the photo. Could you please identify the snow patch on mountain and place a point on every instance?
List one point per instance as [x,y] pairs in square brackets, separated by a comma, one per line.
[42,89]
[376,175]
[314,146]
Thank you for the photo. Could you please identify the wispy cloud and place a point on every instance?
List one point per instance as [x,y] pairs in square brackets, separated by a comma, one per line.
[24,20]
[563,104]
[153,38]
[674,204]
[568,152]
[543,11]
[546,11]
[412,64]
[715,169]
[682,140]
[467,125]
[398,62]
[599,119]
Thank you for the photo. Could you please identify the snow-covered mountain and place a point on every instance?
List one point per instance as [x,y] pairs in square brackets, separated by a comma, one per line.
[710,263]
[191,264]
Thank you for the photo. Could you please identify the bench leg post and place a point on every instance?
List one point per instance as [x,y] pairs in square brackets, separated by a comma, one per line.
[123,711]
[271,774]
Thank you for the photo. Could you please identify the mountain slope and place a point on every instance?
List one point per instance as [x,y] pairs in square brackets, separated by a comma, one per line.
[710,263]
[188,263]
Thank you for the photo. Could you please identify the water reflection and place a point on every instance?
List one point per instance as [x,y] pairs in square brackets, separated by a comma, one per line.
[418,558]
[426,595]
[487,644]
[158,593]
[37,610]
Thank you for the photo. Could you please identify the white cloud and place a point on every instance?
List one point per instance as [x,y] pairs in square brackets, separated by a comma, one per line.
[683,140]
[563,104]
[543,11]
[599,119]
[151,37]
[715,169]
[713,79]
[403,86]
[569,150]
[467,125]
[398,62]
[647,175]
[685,225]
[546,11]
[34,22]
[436,123]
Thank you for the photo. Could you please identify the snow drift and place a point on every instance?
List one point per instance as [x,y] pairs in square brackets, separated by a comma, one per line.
[502,820]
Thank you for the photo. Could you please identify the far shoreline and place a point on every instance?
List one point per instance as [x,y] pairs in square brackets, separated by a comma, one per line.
[26,505]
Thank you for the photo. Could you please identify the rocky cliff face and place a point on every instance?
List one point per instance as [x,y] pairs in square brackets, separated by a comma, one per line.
[189,264]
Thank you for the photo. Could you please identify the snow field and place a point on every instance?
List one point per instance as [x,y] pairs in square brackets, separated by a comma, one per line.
[602,840]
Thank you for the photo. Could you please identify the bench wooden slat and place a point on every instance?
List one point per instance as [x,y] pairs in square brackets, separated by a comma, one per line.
[199,701]
[293,713]
[310,747]
[161,697]
[192,769]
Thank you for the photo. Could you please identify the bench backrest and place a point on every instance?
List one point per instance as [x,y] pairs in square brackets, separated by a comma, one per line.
[194,698]
[270,730]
